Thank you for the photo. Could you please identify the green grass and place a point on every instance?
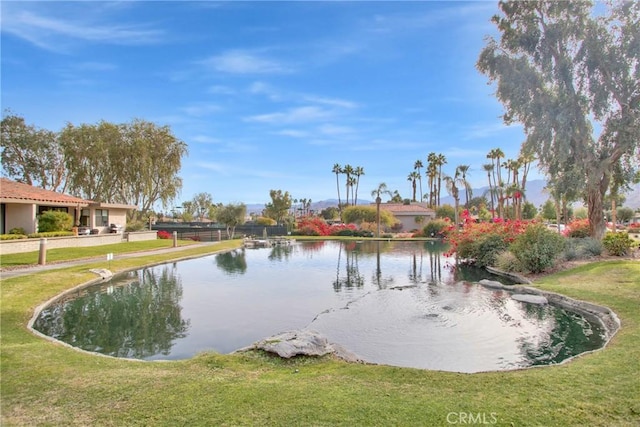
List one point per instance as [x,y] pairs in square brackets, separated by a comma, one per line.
[44,383]
[66,254]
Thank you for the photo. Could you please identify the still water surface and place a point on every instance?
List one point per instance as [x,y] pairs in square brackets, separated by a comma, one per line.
[396,303]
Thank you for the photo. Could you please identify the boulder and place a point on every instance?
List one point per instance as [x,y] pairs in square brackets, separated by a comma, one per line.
[303,343]
[531,299]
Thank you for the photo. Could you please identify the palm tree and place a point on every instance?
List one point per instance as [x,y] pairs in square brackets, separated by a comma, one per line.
[351,184]
[452,188]
[337,169]
[467,187]
[359,172]
[348,170]
[488,167]
[432,172]
[382,189]
[413,177]
[496,154]
[442,160]
[417,166]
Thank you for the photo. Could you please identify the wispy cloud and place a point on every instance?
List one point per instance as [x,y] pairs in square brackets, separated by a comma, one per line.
[220,90]
[293,133]
[58,34]
[293,115]
[261,88]
[335,102]
[486,130]
[245,62]
[200,109]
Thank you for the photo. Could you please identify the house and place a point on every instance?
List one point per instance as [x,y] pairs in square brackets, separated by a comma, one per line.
[20,205]
[413,216]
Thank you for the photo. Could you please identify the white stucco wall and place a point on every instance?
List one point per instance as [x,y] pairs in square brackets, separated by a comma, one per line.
[21,216]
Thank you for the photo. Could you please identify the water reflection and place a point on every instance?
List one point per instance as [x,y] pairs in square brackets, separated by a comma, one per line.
[136,320]
[232,262]
[399,303]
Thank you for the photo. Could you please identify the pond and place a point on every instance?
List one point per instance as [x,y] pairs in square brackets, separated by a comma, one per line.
[396,303]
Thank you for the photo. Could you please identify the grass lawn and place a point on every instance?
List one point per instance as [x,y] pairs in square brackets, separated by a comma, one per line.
[44,383]
[66,254]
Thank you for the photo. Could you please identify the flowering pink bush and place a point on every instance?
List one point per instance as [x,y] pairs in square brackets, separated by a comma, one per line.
[483,241]
[164,235]
[577,228]
[315,226]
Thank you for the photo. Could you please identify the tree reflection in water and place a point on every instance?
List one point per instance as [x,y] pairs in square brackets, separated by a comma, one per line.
[138,320]
[232,262]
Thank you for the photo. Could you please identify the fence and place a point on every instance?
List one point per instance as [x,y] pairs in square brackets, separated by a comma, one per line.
[213,233]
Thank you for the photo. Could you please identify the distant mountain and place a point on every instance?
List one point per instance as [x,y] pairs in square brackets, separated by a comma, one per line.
[535,193]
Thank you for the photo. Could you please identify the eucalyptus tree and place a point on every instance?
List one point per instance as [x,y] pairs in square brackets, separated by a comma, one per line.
[135,163]
[377,193]
[337,169]
[231,216]
[417,166]
[571,76]
[32,155]
[279,205]
[202,203]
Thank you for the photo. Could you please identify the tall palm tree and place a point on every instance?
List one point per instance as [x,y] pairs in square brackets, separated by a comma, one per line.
[337,169]
[463,169]
[432,172]
[417,166]
[377,193]
[359,172]
[413,177]
[488,168]
[451,184]
[442,160]
[348,171]
[351,184]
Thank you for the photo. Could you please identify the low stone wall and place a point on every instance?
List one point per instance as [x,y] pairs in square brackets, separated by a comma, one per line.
[33,245]
[140,236]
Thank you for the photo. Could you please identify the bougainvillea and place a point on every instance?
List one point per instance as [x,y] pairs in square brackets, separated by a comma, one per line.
[482,242]
[315,226]
[164,234]
[577,228]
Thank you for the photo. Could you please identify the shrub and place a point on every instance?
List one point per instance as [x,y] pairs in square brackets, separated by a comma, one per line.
[12,236]
[361,214]
[618,244]
[54,221]
[537,248]
[137,226]
[313,226]
[482,242]
[18,230]
[50,234]
[577,228]
[162,234]
[507,261]
[435,228]
[263,220]
[581,248]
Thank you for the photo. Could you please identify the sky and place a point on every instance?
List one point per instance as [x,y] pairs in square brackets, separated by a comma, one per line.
[268,95]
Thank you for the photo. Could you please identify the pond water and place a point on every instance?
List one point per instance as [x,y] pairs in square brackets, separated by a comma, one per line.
[396,303]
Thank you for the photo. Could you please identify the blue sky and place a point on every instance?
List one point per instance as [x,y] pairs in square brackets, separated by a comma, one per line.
[267,95]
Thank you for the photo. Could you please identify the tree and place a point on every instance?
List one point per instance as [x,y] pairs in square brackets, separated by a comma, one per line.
[348,171]
[377,193]
[135,163]
[337,169]
[413,178]
[463,169]
[548,210]
[232,215]
[279,205]
[417,166]
[488,168]
[360,214]
[31,155]
[202,203]
[564,71]
[359,172]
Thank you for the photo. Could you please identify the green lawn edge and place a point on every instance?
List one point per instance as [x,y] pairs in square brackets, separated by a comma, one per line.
[45,383]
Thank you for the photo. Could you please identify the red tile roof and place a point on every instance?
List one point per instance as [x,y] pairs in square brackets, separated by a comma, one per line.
[406,209]
[11,190]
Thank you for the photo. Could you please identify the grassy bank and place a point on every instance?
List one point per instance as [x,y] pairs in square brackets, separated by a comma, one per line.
[46,383]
